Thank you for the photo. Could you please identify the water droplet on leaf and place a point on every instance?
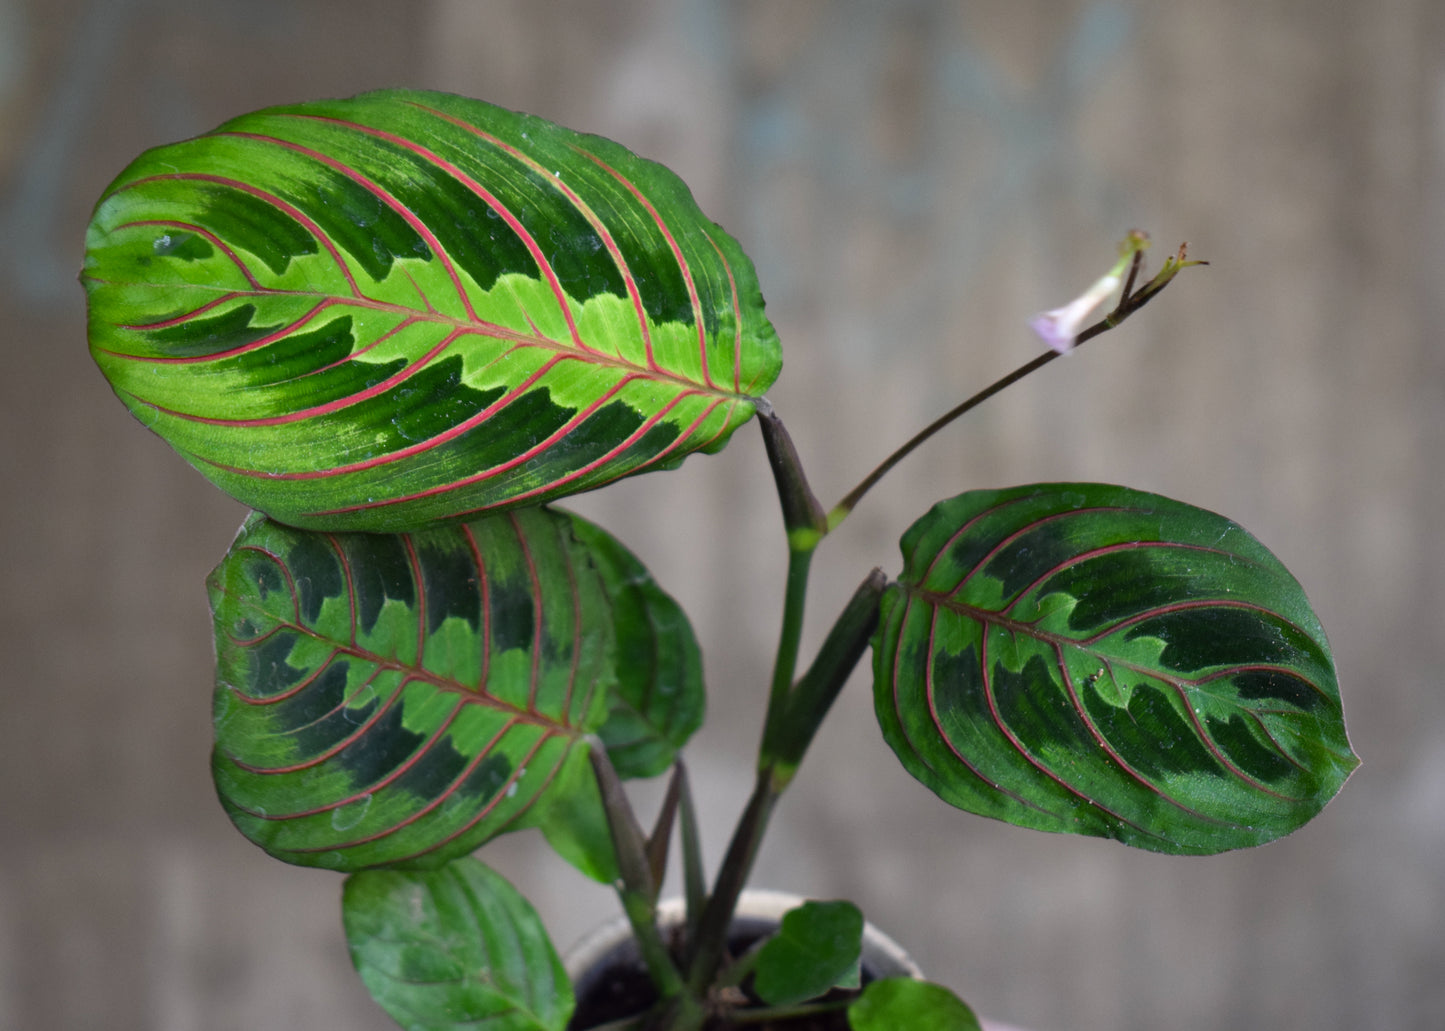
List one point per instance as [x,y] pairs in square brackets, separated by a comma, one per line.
[349,815]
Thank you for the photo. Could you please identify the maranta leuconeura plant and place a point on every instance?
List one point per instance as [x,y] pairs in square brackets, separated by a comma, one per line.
[399,327]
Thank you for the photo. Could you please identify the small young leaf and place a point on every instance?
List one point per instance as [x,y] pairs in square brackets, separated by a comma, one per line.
[659,698]
[817,947]
[454,948]
[409,307]
[895,1003]
[1097,660]
[386,699]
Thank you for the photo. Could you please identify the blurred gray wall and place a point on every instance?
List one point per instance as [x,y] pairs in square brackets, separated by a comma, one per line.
[913,180]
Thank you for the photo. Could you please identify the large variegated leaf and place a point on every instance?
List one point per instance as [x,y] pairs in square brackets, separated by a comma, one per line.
[387,699]
[453,949]
[1097,660]
[405,307]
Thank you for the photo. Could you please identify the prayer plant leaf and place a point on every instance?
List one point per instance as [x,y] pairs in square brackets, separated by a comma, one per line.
[902,1002]
[454,948]
[399,699]
[408,307]
[659,699]
[1097,660]
[817,946]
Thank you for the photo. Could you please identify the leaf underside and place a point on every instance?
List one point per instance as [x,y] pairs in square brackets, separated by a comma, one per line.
[385,699]
[408,307]
[1097,660]
[454,948]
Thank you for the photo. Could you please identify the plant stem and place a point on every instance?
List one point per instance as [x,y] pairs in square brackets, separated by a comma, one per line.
[1129,302]
[694,879]
[794,713]
[711,941]
[801,514]
[636,887]
[659,842]
[785,663]
[792,722]
[841,510]
[803,520]
[786,725]
[810,699]
[757,1016]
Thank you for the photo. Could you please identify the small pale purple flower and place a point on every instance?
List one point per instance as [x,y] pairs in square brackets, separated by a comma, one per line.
[1060,327]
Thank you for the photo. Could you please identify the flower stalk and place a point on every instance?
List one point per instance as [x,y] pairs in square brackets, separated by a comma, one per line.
[1130,301]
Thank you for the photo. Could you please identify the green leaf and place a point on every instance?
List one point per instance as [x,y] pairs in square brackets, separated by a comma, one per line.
[387,699]
[454,948]
[659,699]
[407,307]
[574,822]
[817,946]
[1097,660]
[901,1002]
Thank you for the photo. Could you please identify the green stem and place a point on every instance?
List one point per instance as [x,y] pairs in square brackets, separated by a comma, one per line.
[809,701]
[785,663]
[806,1009]
[738,969]
[635,888]
[717,915]
[802,516]
[790,729]
[659,842]
[694,879]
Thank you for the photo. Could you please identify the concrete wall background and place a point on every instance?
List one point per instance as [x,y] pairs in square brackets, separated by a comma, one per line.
[913,180]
